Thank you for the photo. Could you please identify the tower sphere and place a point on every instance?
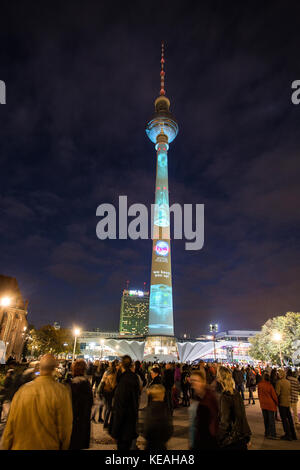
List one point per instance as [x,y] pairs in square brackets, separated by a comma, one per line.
[162,121]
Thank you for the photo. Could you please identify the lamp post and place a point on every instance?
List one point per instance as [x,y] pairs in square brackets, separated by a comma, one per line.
[101,347]
[76,332]
[5,301]
[277,337]
[213,328]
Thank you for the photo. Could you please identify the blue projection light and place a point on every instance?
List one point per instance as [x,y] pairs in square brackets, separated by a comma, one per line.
[161,309]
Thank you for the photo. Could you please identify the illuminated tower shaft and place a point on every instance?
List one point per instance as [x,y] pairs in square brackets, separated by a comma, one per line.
[161,130]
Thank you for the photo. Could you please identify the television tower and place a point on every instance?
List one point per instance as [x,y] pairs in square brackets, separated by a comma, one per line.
[161,130]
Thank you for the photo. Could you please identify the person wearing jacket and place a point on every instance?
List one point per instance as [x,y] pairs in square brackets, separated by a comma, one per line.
[106,390]
[158,426]
[125,408]
[155,379]
[185,385]
[203,414]
[251,384]
[283,391]
[45,401]
[273,380]
[238,378]
[168,382]
[234,432]
[295,390]
[268,402]
[82,402]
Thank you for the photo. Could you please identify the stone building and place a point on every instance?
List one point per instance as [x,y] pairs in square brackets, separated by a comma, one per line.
[13,317]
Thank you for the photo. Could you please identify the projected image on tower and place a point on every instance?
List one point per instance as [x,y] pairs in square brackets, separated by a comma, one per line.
[161,303]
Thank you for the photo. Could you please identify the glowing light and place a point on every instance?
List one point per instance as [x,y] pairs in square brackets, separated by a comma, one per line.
[5,301]
[136,292]
[76,331]
[277,336]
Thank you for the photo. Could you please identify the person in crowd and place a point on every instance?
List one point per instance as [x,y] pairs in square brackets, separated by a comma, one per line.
[258,375]
[203,414]
[185,385]
[40,416]
[283,390]
[268,402]
[96,376]
[90,371]
[107,389]
[273,380]
[102,368]
[295,390]
[251,384]
[7,393]
[158,426]
[238,378]
[155,378]
[139,371]
[82,402]
[123,425]
[168,383]
[211,372]
[177,380]
[234,431]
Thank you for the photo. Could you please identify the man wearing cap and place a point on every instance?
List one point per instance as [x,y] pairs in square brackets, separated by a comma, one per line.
[40,416]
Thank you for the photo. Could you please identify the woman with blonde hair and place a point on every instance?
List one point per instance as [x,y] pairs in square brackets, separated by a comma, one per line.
[234,431]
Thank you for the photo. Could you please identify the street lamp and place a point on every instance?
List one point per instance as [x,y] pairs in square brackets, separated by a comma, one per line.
[5,301]
[76,332]
[277,337]
[213,328]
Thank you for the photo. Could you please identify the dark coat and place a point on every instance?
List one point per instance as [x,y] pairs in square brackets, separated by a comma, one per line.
[206,422]
[168,379]
[234,429]
[82,402]
[238,376]
[251,380]
[125,408]
[158,426]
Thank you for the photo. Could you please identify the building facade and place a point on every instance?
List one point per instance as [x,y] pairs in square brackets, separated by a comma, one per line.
[13,317]
[134,315]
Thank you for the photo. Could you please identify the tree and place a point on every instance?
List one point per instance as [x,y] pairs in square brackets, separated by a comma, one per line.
[48,339]
[264,348]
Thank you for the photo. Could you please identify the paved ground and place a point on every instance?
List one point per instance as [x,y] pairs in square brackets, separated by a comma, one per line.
[179,441]
[100,440]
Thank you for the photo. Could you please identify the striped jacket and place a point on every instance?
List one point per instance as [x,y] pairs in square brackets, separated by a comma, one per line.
[295,389]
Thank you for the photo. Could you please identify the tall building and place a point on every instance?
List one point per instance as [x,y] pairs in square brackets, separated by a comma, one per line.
[134,313]
[13,317]
[161,130]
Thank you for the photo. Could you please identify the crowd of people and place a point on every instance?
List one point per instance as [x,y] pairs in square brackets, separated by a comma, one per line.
[50,405]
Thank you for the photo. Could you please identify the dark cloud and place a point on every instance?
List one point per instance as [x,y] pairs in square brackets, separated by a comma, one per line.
[81,82]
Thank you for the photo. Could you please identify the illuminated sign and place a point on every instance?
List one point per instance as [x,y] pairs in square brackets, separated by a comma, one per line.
[162,248]
[136,292]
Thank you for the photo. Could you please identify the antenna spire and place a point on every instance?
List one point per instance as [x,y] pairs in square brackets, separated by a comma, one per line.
[162,72]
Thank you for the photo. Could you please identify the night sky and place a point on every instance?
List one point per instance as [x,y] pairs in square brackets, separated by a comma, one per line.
[81,82]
